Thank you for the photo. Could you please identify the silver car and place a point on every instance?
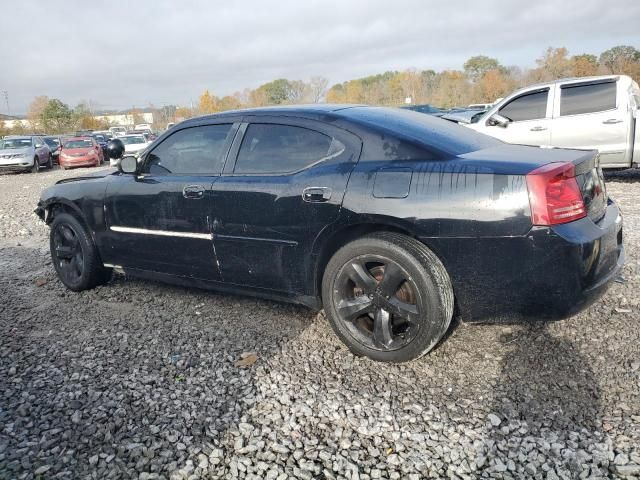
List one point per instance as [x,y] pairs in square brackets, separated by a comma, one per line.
[595,113]
[27,153]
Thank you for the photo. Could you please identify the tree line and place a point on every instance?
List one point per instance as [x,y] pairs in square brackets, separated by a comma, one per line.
[482,79]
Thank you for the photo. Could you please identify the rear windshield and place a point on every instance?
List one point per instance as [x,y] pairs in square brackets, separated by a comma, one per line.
[431,131]
[133,140]
[78,144]
[52,142]
[10,143]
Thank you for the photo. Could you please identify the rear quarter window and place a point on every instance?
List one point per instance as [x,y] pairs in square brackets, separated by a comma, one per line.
[587,98]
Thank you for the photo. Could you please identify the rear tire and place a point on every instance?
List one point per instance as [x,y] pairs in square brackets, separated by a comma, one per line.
[387,297]
[75,257]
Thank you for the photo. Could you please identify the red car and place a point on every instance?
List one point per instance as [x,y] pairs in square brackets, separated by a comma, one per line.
[80,152]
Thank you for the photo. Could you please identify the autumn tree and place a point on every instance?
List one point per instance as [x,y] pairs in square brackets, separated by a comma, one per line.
[36,109]
[452,89]
[494,84]
[554,64]
[207,103]
[584,65]
[183,113]
[229,102]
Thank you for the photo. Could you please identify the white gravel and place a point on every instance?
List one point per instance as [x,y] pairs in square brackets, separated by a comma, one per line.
[139,380]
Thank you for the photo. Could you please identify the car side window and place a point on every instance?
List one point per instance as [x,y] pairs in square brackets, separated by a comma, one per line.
[530,106]
[590,98]
[195,150]
[271,148]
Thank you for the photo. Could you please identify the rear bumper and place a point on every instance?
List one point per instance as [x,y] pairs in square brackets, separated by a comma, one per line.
[551,273]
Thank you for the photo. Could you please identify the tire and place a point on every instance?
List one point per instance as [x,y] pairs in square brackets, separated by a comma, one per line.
[36,165]
[74,255]
[50,162]
[399,305]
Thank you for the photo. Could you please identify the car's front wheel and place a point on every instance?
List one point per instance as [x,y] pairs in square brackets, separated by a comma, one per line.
[74,255]
[36,165]
[388,297]
[50,162]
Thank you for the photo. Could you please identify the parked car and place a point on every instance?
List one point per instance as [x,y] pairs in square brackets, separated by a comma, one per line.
[426,108]
[383,216]
[102,141]
[80,152]
[592,113]
[24,153]
[118,131]
[133,144]
[53,142]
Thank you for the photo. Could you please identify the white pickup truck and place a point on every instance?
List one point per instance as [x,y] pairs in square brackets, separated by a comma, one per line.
[599,113]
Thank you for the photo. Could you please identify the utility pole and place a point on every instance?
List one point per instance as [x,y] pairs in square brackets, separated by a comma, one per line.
[5,94]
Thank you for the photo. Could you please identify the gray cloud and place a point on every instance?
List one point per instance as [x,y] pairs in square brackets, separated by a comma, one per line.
[120,54]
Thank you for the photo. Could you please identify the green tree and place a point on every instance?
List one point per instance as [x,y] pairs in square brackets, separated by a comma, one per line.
[276,92]
[618,59]
[57,117]
[477,66]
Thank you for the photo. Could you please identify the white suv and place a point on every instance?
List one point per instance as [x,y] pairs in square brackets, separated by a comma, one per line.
[597,113]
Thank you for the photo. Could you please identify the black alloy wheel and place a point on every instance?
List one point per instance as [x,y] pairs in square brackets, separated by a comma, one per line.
[387,297]
[377,300]
[74,254]
[67,254]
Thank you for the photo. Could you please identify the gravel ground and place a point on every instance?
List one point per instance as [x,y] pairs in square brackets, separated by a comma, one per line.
[141,380]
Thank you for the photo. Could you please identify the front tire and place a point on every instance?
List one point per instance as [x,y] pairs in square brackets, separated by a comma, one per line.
[388,297]
[74,255]
[50,162]
[36,165]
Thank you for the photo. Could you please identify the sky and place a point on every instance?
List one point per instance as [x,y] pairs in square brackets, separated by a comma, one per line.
[120,54]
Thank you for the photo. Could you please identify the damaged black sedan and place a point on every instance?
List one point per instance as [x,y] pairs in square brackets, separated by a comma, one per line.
[388,219]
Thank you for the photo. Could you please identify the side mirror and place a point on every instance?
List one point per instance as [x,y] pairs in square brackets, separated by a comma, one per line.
[115,149]
[128,164]
[498,120]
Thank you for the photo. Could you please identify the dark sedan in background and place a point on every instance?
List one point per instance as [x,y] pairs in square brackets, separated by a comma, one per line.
[387,218]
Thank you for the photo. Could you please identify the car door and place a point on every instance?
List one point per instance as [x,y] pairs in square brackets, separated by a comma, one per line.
[529,116]
[159,220]
[587,115]
[41,149]
[283,184]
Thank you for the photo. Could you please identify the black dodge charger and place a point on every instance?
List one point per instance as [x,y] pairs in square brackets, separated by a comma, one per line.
[389,219]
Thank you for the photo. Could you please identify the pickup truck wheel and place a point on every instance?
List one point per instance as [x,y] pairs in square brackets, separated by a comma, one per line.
[74,255]
[388,297]
[36,165]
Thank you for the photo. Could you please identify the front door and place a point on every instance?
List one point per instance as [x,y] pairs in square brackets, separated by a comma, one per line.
[284,182]
[159,220]
[530,122]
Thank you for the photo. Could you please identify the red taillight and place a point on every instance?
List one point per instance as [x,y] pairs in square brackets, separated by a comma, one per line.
[554,195]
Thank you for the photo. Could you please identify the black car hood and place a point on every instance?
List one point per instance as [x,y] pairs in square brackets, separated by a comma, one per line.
[90,176]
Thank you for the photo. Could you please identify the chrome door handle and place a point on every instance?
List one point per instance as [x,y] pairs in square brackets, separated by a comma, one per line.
[538,129]
[316,194]
[193,191]
[612,121]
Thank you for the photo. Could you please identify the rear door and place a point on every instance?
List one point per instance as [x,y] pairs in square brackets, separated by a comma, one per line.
[283,184]
[530,116]
[592,115]
[160,220]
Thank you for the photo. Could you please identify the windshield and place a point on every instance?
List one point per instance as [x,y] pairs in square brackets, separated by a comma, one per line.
[133,140]
[11,143]
[78,144]
[52,142]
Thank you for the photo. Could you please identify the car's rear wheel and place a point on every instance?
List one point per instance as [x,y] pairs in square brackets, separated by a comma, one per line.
[36,165]
[75,256]
[388,297]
